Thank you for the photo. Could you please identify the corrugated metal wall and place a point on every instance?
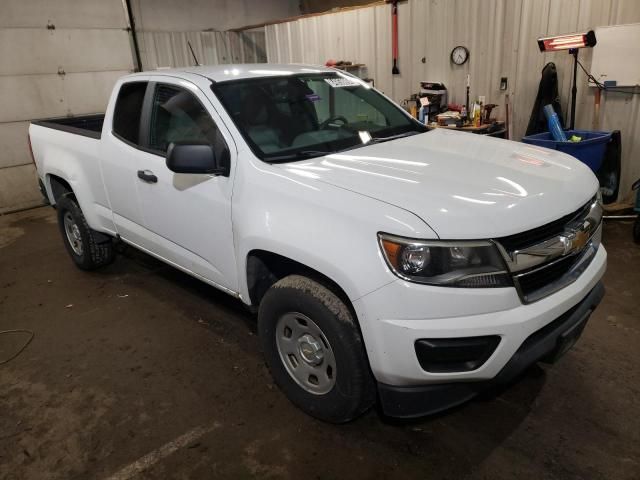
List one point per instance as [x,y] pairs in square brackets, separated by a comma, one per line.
[208,15]
[67,68]
[500,35]
[165,27]
[170,49]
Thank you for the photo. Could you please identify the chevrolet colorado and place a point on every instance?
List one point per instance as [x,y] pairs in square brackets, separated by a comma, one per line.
[385,263]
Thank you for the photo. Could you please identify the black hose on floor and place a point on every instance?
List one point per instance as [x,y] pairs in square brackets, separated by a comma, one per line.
[31,335]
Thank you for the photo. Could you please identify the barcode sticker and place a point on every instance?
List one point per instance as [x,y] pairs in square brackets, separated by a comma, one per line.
[341,82]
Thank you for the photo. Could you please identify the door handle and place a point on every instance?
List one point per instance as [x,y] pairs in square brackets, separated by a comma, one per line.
[147,176]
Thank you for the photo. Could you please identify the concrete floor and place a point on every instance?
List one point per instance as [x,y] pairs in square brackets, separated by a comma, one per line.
[139,371]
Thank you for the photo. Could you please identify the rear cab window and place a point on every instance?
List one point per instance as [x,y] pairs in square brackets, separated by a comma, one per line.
[150,115]
[128,111]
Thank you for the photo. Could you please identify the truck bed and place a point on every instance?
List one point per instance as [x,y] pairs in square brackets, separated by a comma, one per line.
[86,125]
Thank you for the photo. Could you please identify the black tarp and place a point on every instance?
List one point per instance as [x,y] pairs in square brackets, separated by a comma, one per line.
[547,94]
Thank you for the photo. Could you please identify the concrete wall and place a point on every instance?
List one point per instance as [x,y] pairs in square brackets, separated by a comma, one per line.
[501,36]
[58,58]
[62,57]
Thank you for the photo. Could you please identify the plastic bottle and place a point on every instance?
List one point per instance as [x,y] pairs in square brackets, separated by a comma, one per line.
[476,115]
[553,122]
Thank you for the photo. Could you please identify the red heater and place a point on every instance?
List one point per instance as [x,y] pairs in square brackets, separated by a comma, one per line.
[571,42]
[567,42]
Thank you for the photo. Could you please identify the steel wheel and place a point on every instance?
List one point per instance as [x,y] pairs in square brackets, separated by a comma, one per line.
[87,248]
[73,234]
[306,353]
[320,364]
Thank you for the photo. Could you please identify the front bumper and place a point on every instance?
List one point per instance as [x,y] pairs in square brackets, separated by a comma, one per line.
[546,344]
[397,315]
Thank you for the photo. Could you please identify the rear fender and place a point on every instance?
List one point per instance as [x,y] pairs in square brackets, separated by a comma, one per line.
[67,168]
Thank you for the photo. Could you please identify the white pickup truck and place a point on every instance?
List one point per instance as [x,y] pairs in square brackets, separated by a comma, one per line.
[385,263]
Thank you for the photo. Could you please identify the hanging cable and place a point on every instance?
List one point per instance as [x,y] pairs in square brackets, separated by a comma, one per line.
[602,86]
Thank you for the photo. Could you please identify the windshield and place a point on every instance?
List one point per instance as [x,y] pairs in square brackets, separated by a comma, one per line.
[287,118]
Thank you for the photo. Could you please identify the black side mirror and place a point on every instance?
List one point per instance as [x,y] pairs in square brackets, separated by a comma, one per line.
[193,158]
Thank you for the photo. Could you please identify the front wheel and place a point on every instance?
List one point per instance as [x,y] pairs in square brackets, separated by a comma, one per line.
[314,350]
[88,249]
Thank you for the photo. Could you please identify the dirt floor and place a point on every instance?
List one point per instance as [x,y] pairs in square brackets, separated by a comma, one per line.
[139,371]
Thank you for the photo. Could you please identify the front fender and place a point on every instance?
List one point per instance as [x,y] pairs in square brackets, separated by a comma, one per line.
[327,228]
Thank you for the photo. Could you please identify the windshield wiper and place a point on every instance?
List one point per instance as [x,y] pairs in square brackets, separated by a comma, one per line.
[303,154]
[296,156]
[392,137]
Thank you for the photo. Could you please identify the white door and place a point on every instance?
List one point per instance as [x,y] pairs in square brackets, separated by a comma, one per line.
[187,217]
[120,157]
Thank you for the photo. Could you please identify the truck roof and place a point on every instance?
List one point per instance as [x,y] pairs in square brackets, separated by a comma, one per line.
[221,73]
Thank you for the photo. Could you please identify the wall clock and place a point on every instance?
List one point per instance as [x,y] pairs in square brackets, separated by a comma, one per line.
[459,55]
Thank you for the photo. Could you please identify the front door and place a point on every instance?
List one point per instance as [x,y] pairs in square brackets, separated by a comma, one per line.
[187,217]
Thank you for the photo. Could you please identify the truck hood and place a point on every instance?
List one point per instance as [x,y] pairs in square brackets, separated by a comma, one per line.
[463,186]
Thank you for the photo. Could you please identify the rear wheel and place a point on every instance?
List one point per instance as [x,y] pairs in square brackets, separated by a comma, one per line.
[88,249]
[314,350]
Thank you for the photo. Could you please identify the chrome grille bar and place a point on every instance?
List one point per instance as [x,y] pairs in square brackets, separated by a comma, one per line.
[544,268]
[572,240]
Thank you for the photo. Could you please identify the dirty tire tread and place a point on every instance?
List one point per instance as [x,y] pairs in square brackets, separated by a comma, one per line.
[96,254]
[354,392]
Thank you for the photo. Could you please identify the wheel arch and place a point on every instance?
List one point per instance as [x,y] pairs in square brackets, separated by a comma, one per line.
[264,268]
[77,183]
[56,187]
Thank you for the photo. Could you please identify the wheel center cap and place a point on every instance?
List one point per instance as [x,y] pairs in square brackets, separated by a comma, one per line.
[310,349]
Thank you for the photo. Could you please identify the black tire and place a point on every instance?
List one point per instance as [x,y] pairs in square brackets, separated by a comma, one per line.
[353,392]
[96,248]
[636,230]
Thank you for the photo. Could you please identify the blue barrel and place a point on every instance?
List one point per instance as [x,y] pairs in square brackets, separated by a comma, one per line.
[589,151]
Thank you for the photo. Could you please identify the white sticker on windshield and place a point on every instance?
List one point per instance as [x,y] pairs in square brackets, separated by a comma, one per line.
[341,82]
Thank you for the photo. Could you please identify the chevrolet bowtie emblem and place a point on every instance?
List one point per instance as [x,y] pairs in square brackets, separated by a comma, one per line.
[574,241]
[580,240]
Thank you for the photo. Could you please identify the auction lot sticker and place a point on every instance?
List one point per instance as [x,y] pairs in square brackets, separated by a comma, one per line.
[341,82]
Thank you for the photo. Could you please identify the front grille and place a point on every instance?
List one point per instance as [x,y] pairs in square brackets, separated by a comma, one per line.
[531,237]
[549,274]
[530,283]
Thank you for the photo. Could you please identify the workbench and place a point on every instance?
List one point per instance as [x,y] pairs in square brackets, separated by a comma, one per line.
[481,130]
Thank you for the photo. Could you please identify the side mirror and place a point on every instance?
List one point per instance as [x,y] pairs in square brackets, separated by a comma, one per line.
[193,158]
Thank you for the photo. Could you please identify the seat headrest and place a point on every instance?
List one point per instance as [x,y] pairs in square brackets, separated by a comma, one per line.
[255,110]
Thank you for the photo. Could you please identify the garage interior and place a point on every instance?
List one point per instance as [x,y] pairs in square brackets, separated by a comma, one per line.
[138,370]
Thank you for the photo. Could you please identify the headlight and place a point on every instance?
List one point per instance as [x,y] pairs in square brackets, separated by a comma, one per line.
[454,264]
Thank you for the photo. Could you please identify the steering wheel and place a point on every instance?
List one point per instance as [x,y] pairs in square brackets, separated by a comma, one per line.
[335,118]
